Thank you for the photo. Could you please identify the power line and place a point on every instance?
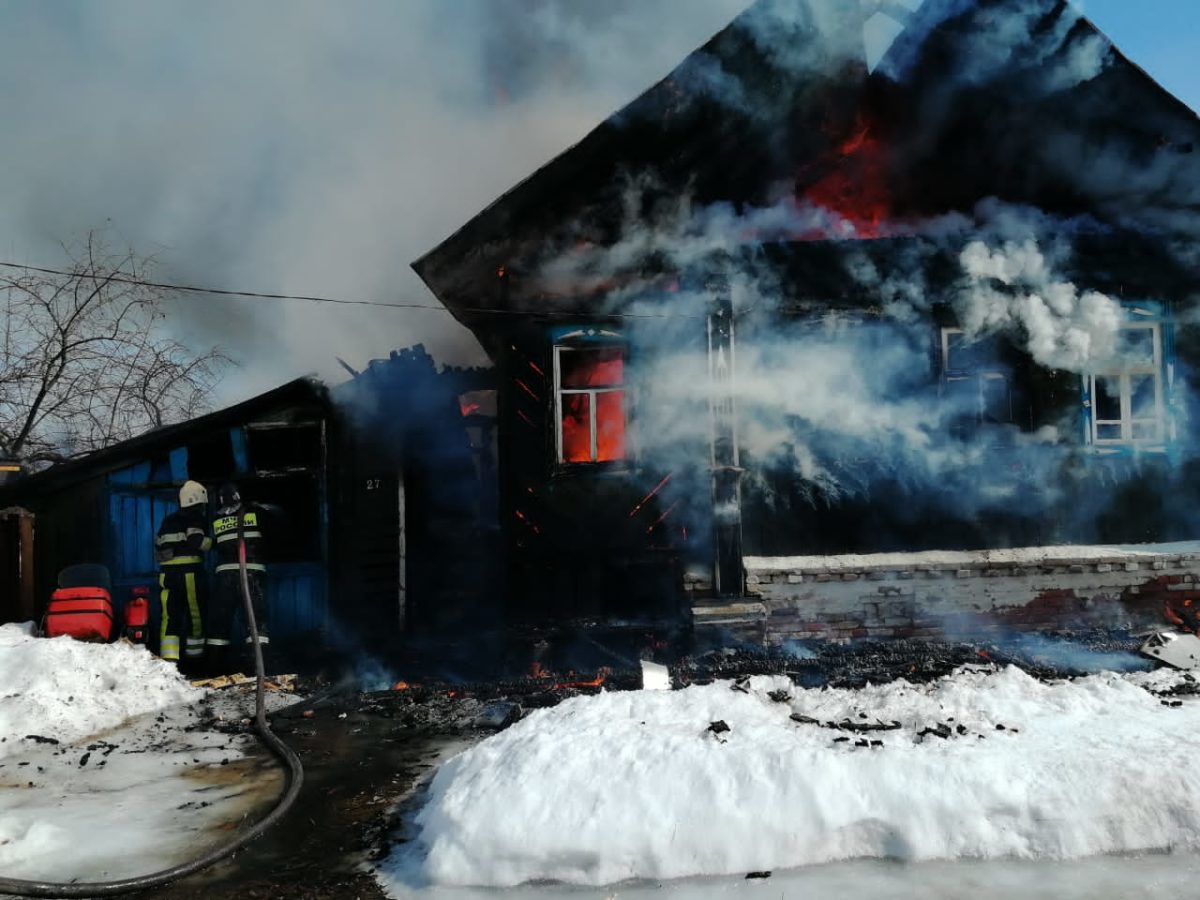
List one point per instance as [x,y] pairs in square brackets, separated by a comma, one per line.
[260,295]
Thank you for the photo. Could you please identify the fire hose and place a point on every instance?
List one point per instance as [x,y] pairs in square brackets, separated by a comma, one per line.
[295,779]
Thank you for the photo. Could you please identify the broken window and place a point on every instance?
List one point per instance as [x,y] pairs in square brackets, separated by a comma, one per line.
[975,380]
[1127,400]
[591,403]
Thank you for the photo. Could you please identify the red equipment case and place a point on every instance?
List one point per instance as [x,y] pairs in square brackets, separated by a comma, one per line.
[84,613]
[137,615]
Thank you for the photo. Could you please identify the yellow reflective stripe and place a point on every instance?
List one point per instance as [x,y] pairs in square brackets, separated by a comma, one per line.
[194,606]
[194,530]
[224,524]
[225,538]
[170,648]
[217,642]
[174,536]
[233,567]
[183,561]
[230,523]
[162,633]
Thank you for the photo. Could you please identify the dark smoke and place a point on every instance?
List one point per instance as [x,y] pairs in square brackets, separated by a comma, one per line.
[304,147]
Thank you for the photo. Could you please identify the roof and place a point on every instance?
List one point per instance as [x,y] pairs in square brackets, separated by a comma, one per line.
[736,120]
[298,393]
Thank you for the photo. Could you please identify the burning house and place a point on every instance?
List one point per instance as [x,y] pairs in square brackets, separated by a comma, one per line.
[865,318]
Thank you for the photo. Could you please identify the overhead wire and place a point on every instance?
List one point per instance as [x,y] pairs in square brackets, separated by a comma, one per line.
[120,278]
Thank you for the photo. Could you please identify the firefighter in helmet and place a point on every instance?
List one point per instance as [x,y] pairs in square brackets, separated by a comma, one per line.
[237,523]
[179,548]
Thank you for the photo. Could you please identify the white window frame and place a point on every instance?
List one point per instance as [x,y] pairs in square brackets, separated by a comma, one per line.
[1126,422]
[593,394]
[979,376]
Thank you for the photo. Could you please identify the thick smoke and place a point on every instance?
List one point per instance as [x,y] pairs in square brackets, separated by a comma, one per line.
[305,147]
[848,400]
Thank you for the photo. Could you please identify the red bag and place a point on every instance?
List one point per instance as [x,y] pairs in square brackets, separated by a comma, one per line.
[84,613]
[137,616]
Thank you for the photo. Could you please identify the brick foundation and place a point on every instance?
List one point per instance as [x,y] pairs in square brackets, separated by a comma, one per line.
[954,595]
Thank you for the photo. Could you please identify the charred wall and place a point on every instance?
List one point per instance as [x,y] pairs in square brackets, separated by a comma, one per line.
[581,541]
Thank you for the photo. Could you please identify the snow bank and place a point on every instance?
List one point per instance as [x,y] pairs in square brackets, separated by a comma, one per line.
[636,785]
[65,689]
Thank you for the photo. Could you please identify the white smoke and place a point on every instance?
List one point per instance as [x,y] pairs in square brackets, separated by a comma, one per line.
[1012,289]
[305,147]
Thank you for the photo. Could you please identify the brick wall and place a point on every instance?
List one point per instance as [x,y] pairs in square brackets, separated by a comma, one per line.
[815,599]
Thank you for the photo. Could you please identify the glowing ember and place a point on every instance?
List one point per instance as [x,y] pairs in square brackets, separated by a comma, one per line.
[401,686]
[658,487]
[596,682]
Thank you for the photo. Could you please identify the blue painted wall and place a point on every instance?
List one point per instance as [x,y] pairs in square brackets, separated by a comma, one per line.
[296,592]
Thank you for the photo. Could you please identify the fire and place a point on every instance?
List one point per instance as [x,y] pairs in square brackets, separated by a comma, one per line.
[592,402]
[571,681]
[596,682]
[855,186]
[401,686]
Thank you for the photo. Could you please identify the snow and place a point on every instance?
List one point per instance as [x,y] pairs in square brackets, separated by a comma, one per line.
[1047,555]
[132,784]
[634,785]
[66,689]
[1145,877]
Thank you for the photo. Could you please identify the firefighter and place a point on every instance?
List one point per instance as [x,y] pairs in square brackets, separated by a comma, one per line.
[179,548]
[235,520]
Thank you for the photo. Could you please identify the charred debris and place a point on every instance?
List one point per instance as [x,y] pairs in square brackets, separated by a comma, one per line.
[434,703]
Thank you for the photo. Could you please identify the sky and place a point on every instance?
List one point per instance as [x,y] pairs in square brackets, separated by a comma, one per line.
[295,146]
[1162,36]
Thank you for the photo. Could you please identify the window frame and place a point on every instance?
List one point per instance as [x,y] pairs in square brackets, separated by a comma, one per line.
[1127,423]
[978,376]
[557,349]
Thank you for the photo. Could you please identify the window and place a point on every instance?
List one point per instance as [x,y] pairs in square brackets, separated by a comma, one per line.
[975,380]
[590,400]
[1127,400]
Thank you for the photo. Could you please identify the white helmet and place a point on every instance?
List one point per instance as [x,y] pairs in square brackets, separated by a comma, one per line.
[192,494]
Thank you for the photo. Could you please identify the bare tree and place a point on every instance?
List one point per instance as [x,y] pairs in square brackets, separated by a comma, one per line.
[86,361]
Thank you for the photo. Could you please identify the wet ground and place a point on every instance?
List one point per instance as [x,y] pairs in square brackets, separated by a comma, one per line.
[358,766]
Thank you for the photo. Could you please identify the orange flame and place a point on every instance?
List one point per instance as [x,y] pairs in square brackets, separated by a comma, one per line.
[401,686]
[596,682]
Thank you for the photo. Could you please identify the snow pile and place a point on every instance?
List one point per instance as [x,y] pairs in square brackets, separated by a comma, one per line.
[64,689]
[638,785]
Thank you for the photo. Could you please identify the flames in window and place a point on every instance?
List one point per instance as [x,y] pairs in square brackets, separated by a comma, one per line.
[592,404]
